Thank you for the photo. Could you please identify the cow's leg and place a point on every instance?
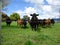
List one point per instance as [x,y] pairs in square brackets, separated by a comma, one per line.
[7,24]
[49,24]
[24,25]
[32,27]
[35,27]
[18,25]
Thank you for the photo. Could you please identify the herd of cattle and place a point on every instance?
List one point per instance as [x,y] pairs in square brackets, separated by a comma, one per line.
[34,22]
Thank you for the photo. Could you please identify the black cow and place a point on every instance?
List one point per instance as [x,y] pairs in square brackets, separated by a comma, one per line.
[8,21]
[41,22]
[34,21]
[52,21]
[24,23]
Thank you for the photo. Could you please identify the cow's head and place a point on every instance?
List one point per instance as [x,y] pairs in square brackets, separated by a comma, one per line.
[34,14]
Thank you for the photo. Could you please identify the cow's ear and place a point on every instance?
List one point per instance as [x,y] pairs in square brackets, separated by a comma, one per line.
[31,15]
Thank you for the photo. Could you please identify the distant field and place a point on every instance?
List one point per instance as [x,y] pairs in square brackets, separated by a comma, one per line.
[18,36]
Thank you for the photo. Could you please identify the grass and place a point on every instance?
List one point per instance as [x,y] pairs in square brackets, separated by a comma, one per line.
[25,36]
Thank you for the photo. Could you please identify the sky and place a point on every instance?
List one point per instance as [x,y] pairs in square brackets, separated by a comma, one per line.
[45,8]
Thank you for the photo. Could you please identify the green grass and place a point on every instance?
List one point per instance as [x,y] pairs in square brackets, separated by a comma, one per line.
[19,36]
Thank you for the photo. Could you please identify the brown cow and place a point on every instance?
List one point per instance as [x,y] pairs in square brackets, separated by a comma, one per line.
[21,23]
[47,22]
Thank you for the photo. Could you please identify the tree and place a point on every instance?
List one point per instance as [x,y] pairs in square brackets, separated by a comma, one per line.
[25,17]
[14,16]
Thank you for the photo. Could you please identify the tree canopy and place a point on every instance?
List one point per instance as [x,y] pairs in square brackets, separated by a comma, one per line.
[26,17]
[14,16]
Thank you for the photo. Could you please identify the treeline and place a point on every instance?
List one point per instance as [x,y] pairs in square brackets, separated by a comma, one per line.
[14,17]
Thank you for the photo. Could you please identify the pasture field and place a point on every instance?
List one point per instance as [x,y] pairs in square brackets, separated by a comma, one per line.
[14,35]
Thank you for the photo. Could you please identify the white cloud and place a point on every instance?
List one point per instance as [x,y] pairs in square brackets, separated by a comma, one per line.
[53,2]
[30,10]
[56,2]
[27,11]
[35,1]
[48,11]
[51,10]
[56,8]
[49,1]
[47,8]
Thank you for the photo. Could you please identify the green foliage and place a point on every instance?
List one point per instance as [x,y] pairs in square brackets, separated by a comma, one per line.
[26,17]
[14,16]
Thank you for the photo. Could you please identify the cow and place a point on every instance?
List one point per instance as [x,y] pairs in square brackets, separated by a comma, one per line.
[45,22]
[34,21]
[52,21]
[22,23]
[8,21]
[41,22]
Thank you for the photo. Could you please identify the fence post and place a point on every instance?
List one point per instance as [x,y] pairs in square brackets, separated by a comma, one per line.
[0,14]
